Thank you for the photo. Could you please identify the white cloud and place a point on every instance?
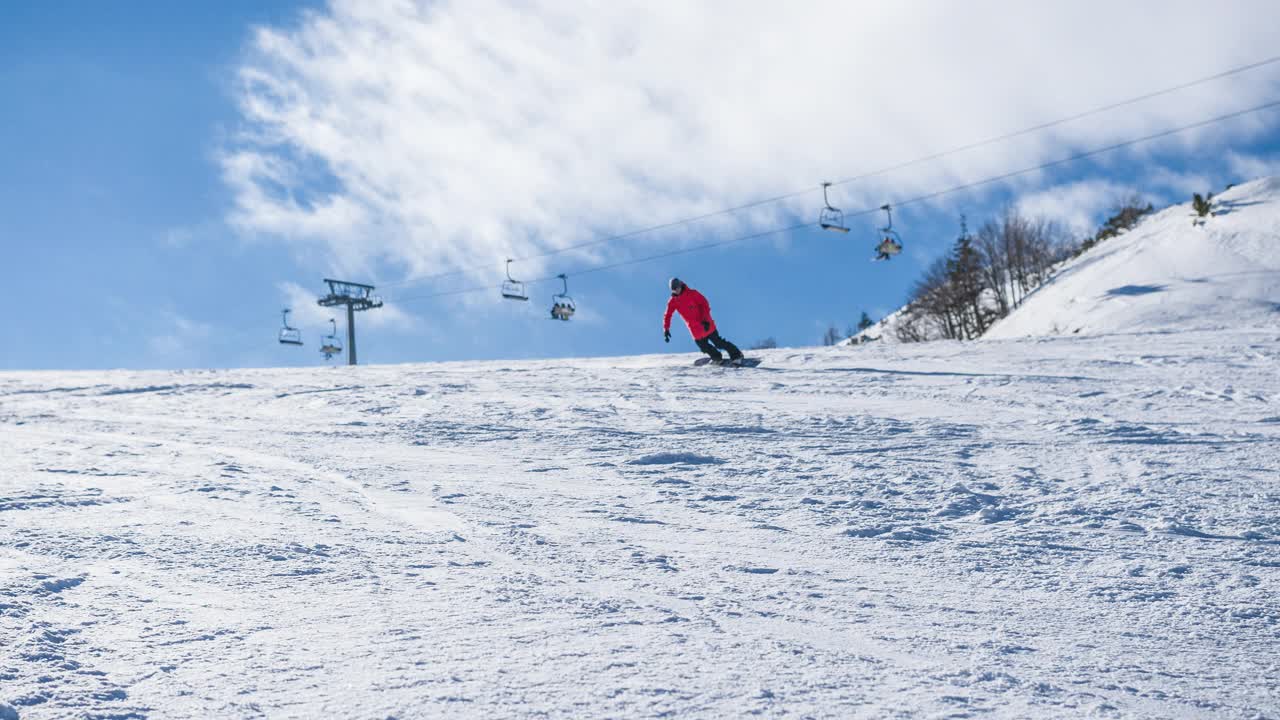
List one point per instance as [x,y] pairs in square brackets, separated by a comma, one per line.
[177,238]
[302,305]
[1180,184]
[182,337]
[201,233]
[425,136]
[1249,167]
[308,315]
[1077,207]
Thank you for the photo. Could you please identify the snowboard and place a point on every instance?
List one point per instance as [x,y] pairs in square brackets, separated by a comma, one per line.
[745,362]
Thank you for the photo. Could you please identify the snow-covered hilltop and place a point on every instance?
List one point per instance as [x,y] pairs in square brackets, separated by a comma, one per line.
[1064,527]
[1172,271]
[1169,273]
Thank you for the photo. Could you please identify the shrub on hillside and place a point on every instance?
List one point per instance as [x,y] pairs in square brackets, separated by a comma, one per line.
[1125,215]
[1203,205]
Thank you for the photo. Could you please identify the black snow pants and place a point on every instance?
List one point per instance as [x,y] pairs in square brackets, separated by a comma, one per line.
[713,344]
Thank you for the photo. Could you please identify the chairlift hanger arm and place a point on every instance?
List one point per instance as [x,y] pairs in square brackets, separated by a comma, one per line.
[825,200]
[889,211]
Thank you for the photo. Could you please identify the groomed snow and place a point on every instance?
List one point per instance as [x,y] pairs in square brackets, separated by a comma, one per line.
[1054,528]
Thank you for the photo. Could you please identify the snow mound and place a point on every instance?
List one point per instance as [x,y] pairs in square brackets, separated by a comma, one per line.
[675,458]
[60,584]
[1168,273]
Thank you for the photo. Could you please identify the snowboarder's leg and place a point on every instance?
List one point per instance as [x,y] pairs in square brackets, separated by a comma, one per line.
[706,346]
[722,344]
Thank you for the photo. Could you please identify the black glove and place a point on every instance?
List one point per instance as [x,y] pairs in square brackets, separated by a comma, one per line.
[666,336]
[706,326]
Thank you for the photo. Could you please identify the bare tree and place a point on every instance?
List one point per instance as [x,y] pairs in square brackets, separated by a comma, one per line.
[995,267]
[932,302]
[1018,253]
[964,275]
[914,325]
[983,278]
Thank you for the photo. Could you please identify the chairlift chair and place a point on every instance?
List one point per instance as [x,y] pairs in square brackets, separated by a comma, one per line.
[562,306]
[289,335]
[331,345]
[831,218]
[890,241]
[513,289]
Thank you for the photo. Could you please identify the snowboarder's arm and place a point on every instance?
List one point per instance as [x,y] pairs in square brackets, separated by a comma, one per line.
[666,319]
[704,308]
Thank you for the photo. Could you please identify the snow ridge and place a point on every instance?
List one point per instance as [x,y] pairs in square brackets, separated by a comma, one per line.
[1168,274]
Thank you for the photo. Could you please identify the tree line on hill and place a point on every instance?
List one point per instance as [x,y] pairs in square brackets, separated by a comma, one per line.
[987,274]
[833,335]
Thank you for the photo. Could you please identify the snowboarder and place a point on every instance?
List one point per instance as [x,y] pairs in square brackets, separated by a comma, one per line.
[696,311]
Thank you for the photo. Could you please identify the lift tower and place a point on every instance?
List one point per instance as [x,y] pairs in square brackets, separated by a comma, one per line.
[356,297]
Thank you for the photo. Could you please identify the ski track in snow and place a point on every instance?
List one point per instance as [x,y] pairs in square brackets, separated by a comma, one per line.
[1067,528]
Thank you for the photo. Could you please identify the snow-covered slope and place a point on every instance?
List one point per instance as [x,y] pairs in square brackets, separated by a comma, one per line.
[1169,274]
[885,330]
[1052,528]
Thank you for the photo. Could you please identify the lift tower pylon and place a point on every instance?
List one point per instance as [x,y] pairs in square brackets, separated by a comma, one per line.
[356,297]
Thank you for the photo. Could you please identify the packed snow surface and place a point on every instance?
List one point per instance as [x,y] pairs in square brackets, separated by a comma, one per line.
[1055,528]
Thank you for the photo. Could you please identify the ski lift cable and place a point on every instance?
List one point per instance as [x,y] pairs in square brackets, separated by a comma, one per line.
[1088,154]
[610,238]
[869,211]
[623,263]
[1064,120]
[864,176]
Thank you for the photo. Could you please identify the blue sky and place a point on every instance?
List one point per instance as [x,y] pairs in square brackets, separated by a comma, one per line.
[154,217]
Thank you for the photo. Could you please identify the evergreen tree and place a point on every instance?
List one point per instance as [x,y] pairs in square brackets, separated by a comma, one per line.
[1125,216]
[1203,205]
[964,273]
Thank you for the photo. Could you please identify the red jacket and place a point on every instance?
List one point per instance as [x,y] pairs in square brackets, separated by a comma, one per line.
[695,310]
